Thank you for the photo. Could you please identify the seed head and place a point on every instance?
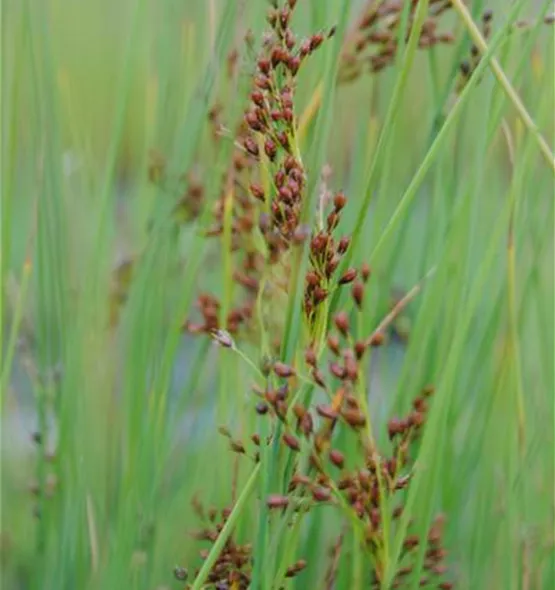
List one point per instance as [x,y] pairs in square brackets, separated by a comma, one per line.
[257,192]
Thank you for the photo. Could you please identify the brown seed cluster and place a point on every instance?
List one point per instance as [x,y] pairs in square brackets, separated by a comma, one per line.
[268,184]
[233,567]
[326,253]
[373,44]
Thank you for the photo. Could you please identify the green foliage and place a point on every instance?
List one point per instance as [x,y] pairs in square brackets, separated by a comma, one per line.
[449,183]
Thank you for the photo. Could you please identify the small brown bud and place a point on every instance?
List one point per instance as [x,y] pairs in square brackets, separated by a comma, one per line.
[310,357]
[348,276]
[264,65]
[343,244]
[263,82]
[337,458]
[326,412]
[333,343]
[291,441]
[256,439]
[287,115]
[321,494]
[342,322]
[299,411]
[252,121]
[377,339]
[283,370]
[394,427]
[237,446]
[358,293]
[337,370]
[294,63]
[416,419]
[257,192]
[446,586]
[258,98]
[365,271]
[339,201]
[251,146]
[319,295]
[315,41]
[318,378]
[270,149]
[354,418]
[261,408]
[277,501]
[487,15]
[410,542]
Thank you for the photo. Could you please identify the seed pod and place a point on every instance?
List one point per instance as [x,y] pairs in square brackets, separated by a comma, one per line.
[343,244]
[291,441]
[416,419]
[257,192]
[358,293]
[287,115]
[337,370]
[348,276]
[339,201]
[332,221]
[318,378]
[299,411]
[294,63]
[337,458]
[342,322]
[351,368]
[264,65]
[283,139]
[255,439]
[250,146]
[332,265]
[315,41]
[365,272]
[310,357]
[237,446]
[321,494]
[333,343]
[277,501]
[263,82]
[326,412]
[354,418]
[261,408]
[295,568]
[307,424]
[446,586]
[258,98]
[283,370]
[252,121]
[319,295]
[360,348]
[270,149]
[411,541]
[304,49]
[377,339]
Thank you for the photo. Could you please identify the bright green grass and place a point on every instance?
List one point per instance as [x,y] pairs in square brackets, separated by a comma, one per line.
[87,90]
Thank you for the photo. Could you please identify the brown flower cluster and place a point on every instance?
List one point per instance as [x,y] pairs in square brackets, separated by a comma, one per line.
[233,567]
[373,44]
